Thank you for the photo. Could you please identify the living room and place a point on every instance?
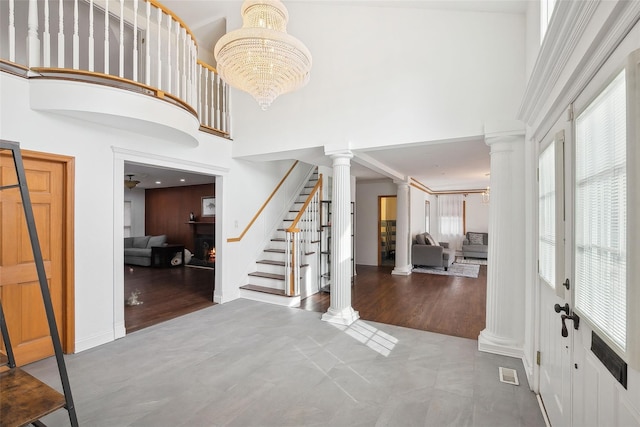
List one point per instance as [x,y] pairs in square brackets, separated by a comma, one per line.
[169,229]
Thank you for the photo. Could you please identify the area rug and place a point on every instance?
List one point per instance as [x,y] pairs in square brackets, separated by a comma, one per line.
[476,261]
[463,270]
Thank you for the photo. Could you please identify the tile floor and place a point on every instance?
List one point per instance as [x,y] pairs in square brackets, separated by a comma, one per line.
[246,363]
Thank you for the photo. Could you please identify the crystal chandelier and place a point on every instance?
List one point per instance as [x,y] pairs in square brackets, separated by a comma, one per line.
[261,58]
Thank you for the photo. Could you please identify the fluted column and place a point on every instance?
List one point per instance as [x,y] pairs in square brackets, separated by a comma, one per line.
[504,331]
[402,268]
[340,310]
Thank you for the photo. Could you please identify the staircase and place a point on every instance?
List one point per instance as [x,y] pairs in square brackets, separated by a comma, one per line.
[268,283]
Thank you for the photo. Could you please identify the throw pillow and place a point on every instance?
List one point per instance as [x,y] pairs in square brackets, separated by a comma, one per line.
[420,239]
[476,239]
[430,240]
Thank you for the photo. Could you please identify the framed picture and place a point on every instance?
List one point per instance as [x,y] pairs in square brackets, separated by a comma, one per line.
[208,206]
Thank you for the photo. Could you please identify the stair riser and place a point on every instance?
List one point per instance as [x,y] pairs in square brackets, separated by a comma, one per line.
[272,256]
[267,282]
[271,299]
[266,268]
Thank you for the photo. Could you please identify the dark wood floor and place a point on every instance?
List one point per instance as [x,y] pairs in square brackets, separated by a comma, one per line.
[166,293]
[445,304]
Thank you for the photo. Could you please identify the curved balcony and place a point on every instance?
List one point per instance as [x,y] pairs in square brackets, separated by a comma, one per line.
[85,50]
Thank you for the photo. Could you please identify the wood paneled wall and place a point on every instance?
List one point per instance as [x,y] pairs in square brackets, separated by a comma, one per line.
[167,212]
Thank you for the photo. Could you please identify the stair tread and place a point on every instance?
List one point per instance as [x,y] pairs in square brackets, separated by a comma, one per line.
[17,403]
[267,275]
[280,263]
[263,289]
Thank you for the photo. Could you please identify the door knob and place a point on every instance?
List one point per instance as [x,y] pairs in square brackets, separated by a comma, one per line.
[558,308]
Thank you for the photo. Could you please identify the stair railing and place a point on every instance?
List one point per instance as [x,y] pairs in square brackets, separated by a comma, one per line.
[303,232]
[140,42]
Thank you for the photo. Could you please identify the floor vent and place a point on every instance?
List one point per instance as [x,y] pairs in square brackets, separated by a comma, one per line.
[509,376]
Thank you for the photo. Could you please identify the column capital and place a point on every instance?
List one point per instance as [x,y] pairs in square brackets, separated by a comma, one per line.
[400,183]
[505,131]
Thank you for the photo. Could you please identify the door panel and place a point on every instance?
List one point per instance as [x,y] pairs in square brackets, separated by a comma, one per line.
[19,286]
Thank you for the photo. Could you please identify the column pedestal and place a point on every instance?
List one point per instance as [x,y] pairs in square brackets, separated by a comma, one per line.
[340,310]
[402,268]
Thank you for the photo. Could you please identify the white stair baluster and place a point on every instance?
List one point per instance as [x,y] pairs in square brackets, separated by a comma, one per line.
[159,84]
[12,31]
[169,42]
[106,37]
[176,70]
[183,74]
[60,34]
[76,37]
[91,39]
[147,62]
[121,41]
[201,107]
[46,36]
[218,113]
[135,41]
[33,42]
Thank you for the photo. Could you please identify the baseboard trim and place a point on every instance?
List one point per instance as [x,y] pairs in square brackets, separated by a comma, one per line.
[94,341]
[488,346]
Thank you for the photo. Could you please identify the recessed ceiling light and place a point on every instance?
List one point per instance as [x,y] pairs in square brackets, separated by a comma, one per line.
[158,182]
[182,180]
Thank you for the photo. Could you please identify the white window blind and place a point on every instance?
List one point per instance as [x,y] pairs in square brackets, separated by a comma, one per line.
[600,213]
[127,219]
[547,215]
[450,214]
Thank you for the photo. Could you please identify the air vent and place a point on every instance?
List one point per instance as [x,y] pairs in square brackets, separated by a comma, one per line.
[508,376]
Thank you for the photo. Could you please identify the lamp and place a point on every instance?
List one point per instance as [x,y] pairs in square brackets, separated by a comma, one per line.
[486,195]
[261,58]
[130,183]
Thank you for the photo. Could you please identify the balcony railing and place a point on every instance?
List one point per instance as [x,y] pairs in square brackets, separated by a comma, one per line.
[138,42]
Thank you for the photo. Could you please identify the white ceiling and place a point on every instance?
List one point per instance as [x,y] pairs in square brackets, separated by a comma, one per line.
[441,166]
[156,177]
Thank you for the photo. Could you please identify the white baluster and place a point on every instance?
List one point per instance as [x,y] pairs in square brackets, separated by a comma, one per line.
[33,42]
[106,37]
[147,62]
[12,31]
[224,110]
[92,46]
[169,41]
[201,107]
[76,37]
[183,74]
[121,57]
[46,36]
[159,85]
[135,40]
[176,70]
[216,103]
[60,34]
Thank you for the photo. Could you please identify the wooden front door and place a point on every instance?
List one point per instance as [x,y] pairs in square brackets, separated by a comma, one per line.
[19,286]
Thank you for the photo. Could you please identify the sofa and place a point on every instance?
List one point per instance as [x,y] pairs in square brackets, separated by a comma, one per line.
[137,250]
[427,252]
[475,245]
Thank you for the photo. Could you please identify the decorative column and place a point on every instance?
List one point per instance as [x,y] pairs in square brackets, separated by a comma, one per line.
[340,310]
[402,268]
[504,331]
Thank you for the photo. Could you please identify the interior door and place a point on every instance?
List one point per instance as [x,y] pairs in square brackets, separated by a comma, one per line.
[556,328]
[19,286]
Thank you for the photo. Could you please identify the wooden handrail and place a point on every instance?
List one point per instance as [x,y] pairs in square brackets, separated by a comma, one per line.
[207,66]
[293,228]
[264,205]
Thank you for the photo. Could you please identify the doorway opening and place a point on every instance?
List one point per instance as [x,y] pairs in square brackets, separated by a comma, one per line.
[169,243]
[387,215]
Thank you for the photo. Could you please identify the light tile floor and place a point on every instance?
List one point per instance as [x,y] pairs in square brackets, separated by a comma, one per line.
[251,364]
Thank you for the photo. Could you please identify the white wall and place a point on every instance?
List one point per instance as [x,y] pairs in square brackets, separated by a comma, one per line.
[366,234]
[477,214]
[385,75]
[137,198]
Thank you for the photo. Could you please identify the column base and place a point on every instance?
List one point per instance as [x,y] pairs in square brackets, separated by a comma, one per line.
[345,316]
[405,270]
[490,343]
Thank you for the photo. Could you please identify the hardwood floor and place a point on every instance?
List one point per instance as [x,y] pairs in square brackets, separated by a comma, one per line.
[445,304]
[166,293]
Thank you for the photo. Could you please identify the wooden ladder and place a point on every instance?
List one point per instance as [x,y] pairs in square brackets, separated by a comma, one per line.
[23,398]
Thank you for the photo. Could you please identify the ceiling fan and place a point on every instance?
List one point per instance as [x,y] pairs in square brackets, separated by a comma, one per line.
[131,183]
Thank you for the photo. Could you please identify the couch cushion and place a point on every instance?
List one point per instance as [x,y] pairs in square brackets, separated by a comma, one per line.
[431,240]
[128,242]
[140,242]
[157,240]
[420,239]
[475,248]
[476,238]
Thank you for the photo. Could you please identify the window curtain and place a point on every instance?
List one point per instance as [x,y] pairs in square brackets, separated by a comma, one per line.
[450,218]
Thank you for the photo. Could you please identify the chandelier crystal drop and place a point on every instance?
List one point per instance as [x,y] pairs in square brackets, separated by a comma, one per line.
[261,58]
